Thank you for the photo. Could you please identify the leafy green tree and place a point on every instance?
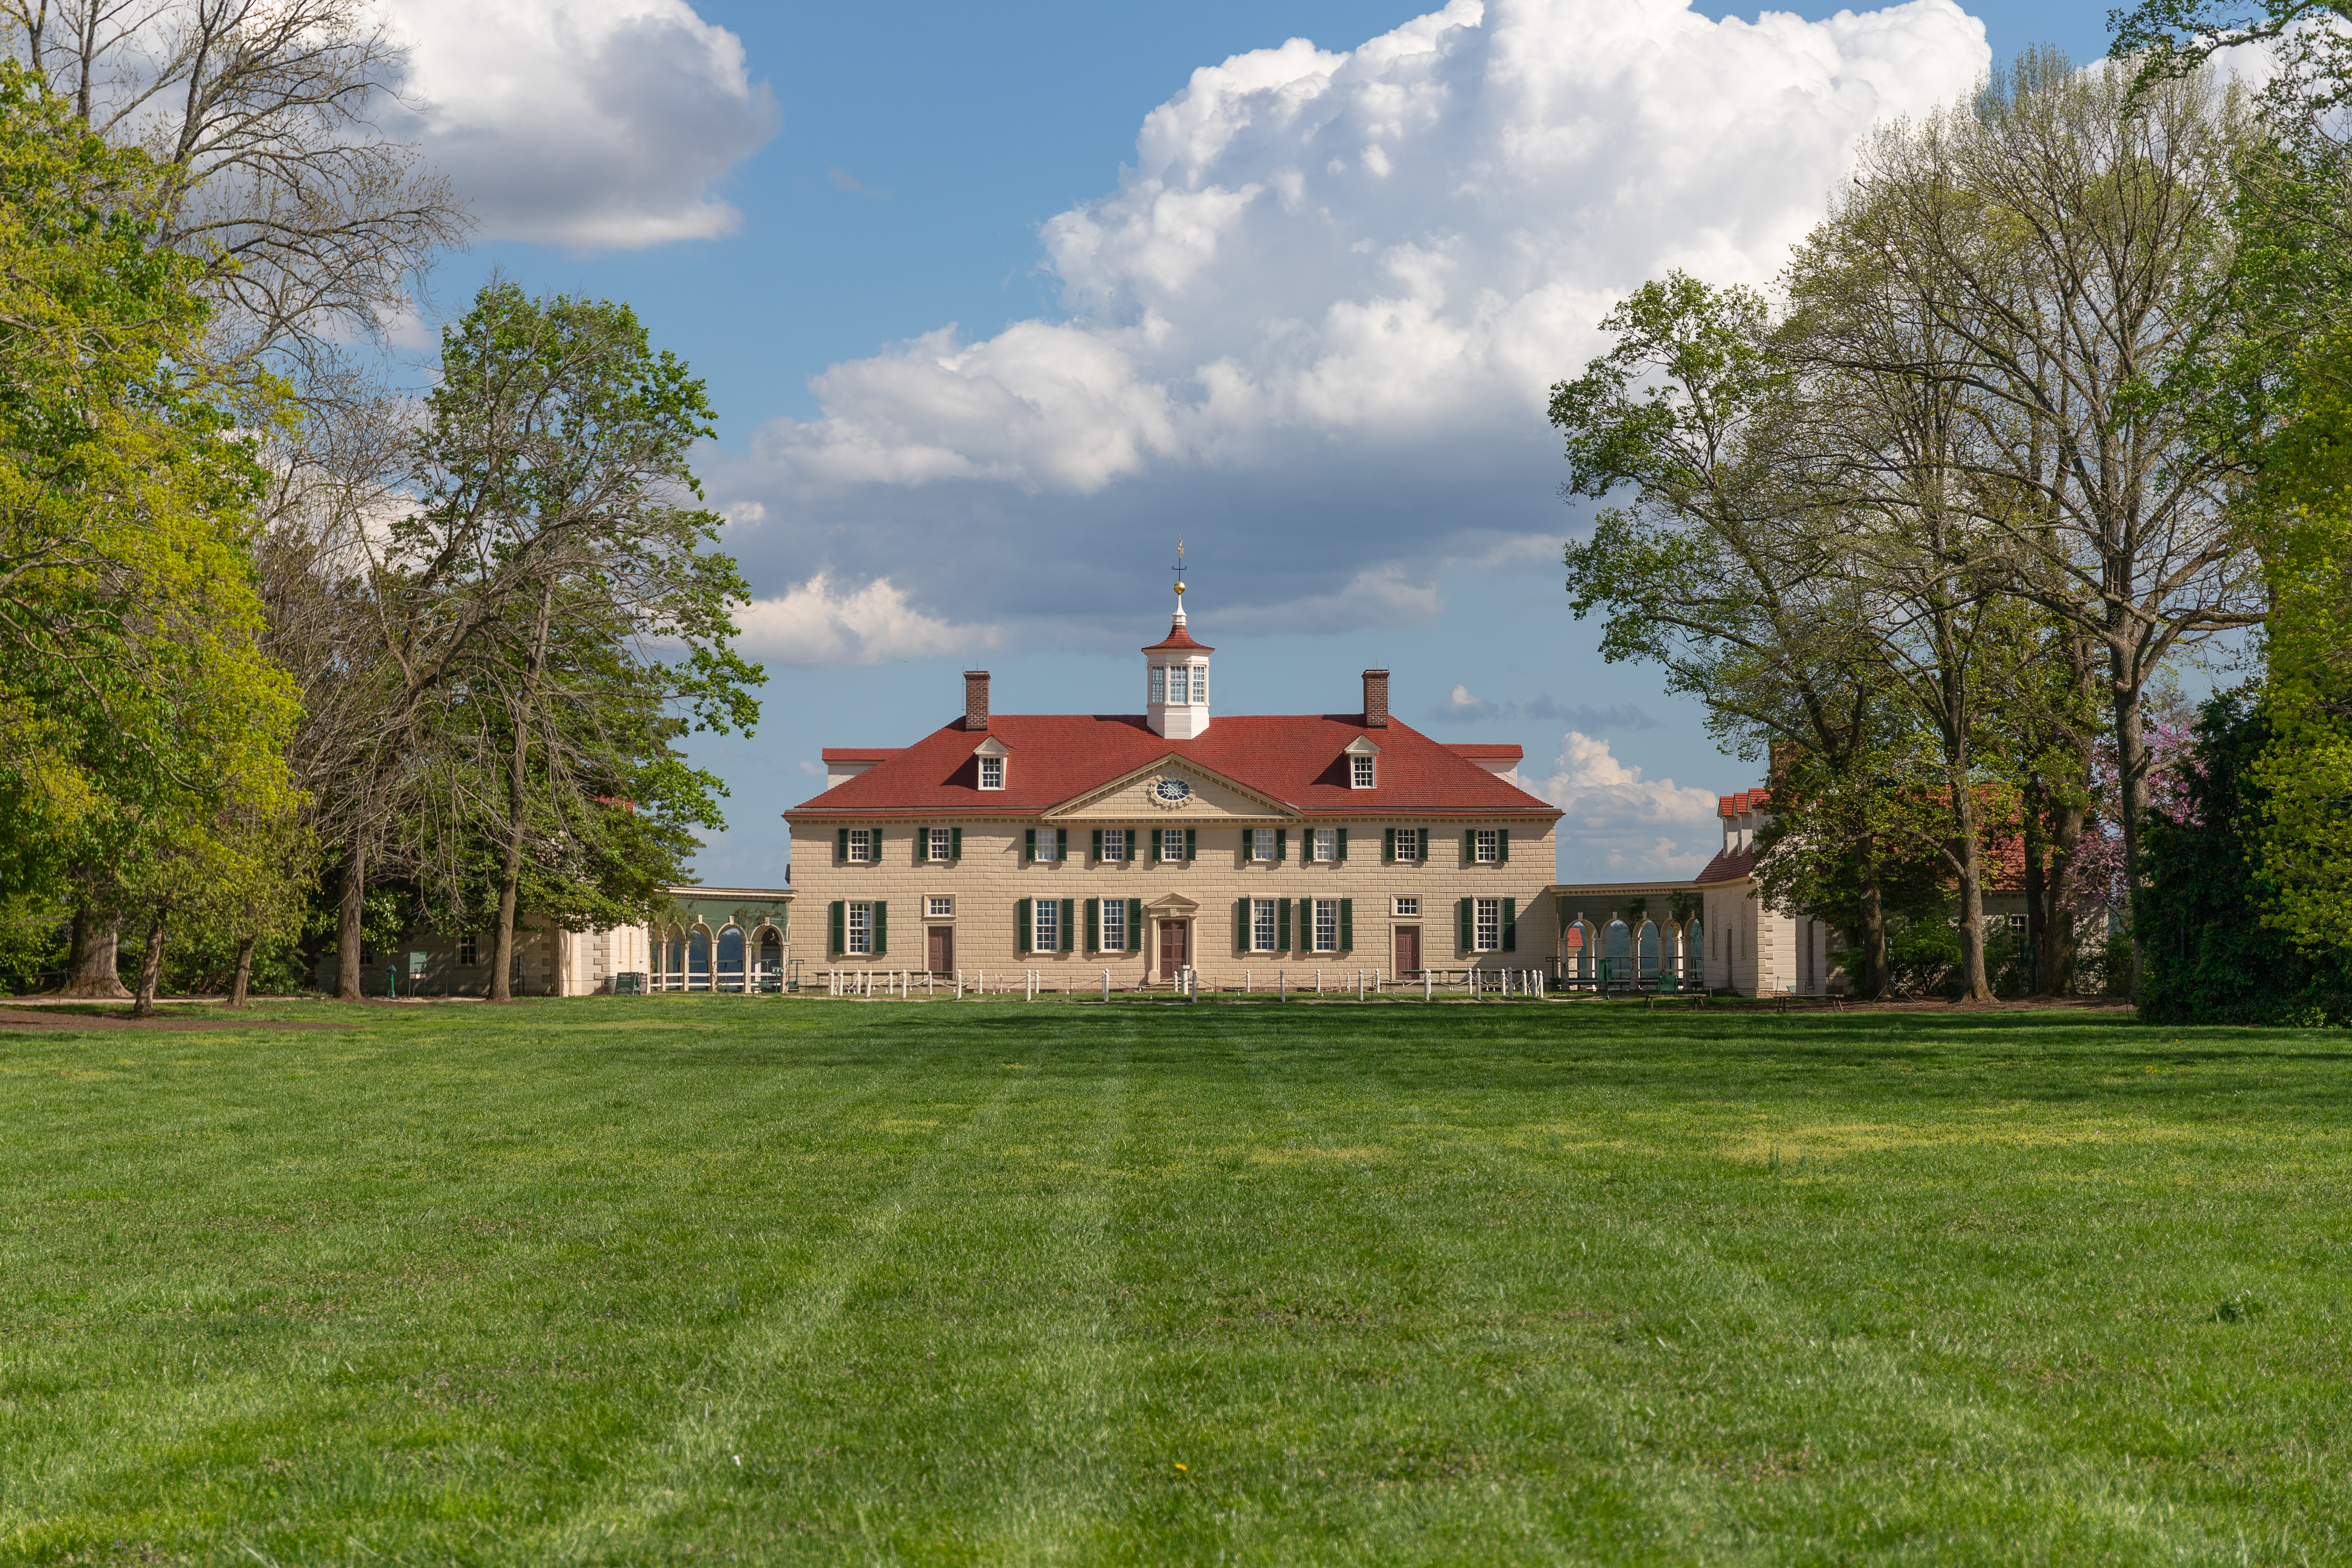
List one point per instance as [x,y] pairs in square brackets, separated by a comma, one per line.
[1718,571]
[134,698]
[561,520]
[2213,954]
[2068,244]
[2284,384]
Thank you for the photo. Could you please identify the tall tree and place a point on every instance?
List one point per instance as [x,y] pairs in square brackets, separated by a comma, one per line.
[2288,357]
[134,696]
[310,228]
[2070,245]
[1719,571]
[560,521]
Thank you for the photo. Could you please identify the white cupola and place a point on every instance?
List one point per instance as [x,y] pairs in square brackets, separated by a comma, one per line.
[1176,670]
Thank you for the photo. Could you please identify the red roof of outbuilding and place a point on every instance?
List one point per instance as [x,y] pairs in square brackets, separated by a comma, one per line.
[1299,760]
[1180,640]
[1746,800]
[1729,865]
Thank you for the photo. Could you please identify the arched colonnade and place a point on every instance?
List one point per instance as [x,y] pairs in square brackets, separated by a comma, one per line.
[1644,950]
[697,957]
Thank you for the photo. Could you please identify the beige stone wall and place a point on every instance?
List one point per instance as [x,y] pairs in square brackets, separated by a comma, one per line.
[992,876]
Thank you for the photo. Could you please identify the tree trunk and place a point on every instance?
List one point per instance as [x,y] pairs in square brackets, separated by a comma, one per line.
[2053,953]
[518,790]
[2037,885]
[150,968]
[241,987]
[502,952]
[1873,926]
[94,969]
[1973,985]
[2131,764]
[350,923]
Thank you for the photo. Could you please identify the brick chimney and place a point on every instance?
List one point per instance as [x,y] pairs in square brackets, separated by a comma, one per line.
[1376,699]
[975,700]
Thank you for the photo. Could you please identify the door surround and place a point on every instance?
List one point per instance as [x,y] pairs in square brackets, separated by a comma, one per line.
[1167,909]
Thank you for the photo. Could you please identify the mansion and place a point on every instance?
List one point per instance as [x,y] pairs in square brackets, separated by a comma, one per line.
[1171,840]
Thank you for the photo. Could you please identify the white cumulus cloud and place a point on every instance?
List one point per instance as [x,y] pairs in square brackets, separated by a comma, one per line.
[589,123]
[1328,296]
[819,622]
[1620,826]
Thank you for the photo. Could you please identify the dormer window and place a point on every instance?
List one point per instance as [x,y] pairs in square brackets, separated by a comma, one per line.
[990,754]
[1362,765]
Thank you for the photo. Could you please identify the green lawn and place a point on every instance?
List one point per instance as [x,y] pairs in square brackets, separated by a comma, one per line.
[724,1279]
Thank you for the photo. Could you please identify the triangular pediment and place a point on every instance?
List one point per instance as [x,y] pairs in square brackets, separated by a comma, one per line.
[1136,798]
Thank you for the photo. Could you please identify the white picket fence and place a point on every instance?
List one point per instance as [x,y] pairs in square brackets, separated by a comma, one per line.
[1367,984]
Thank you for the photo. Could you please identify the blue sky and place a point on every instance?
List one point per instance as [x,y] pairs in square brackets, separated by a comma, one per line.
[1171,313]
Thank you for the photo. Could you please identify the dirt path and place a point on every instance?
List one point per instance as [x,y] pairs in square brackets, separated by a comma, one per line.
[12,1018]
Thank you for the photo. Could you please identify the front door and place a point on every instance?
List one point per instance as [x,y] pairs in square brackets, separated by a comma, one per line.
[939,948]
[1172,945]
[1408,949]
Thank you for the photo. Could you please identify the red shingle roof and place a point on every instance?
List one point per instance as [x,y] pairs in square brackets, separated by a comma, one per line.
[1297,759]
[2002,862]
[858,753]
[1490,753]
[1729,865]
[1180,640]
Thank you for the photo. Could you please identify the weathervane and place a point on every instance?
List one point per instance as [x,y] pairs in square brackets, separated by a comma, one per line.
[1180,572]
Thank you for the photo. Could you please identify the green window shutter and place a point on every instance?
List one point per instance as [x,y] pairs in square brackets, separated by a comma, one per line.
[1020,925]
[1155,845]
[1061,844]
[1462,918]
[1503,847]
[1510,925]
[1282,925]
[1135,925]
[1241,925]
[1469,846]
[1098,855]
[955,843]
[841,846]
[1388,844]
[874,848]
[1094,920]
[922,844]
[840,912]
[1281,844]
[1340,849]
[1423,832]
[1028,844]
[881,928]
[1346,925]
[1190,838]
[1069,924]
